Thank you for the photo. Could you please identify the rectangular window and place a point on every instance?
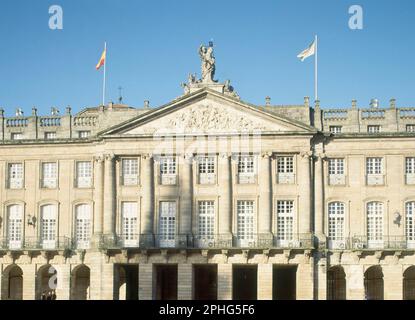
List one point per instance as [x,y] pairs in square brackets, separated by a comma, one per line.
[410,170]
[375,224]
[48,226]
[84,174]
[336,224]
[335,129]
[246,169]
[49,175]
[130,224]
[336,172]
[285,221]
[245,223]
[84,134]
[410,223]
[83,226]
[374,171]
[15,175]
[373,128]
[15,226]
[168,170]
[17,136]
[130,172]
[50,135]
[206,169]
[410,128]
[285,169]
[206,222]
[167,224]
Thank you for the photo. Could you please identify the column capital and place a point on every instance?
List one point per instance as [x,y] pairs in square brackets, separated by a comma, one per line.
[223,155]
[100,158]
[147,156]
[267,154]
[306,155]
[109,156]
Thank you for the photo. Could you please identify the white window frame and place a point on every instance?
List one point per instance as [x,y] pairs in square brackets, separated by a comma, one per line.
[168,170]
[83,225]
[206,167]
[15,136]
[48,225]
[410,224]
[335,129]
[375,212]
[285,168]
[129,171]
[167,224]
[15,231]
[374,128]
[375,168]
[83,175]
[49,175]
[410,170]
[130,224]
[245,223]
[84,134]
[285,215]
[206,223]
[50,135]
[15,175]
[337,171]
[247,169]
[410,128]
[336,225]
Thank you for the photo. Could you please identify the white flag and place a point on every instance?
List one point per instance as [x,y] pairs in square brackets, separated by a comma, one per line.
[311,50]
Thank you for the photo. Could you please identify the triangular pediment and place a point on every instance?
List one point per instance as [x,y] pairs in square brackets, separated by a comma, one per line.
[207,113]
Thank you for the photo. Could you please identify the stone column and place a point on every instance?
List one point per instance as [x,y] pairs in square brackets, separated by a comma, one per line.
[146,281]
[225,200]
[185,281]
[186,194]
[109,195]
[393,281]
[147,199]
[304,212]
[319,197]
[98,193]
[355,289]
[321,283]
[95,264]
[265,281]
[265,194]
[224,281]
[63,289]
[107,281]
[29,281]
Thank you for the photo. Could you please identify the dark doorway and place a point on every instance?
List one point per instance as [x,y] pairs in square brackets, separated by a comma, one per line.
[205,282]
[245,282]
[284,282]
[166,282]
[336,283]
[126,277]
[409,284]
[374,283]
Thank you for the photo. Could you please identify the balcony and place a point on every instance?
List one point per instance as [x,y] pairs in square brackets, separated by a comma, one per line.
[35,243]
[216,241]
[363,243]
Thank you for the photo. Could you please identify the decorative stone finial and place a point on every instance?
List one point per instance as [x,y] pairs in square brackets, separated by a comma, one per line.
[354,104]
[68,110]
[1,112]
[374,103]
[317,104]
[392,103]
[146,104]
[54,111]
[307,102]
[34,111]
[268,101]
[19,112]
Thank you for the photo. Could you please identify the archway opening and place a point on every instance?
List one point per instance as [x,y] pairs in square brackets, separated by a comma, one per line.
[12,283]
[409,284]
[80,283]
[336,283]
[46,283]
[374,283]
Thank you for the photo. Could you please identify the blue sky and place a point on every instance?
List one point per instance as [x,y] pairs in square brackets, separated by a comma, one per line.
[152,46]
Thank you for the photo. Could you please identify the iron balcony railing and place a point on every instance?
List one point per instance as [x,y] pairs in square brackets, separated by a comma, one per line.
[365,243]
[216,241]
[35,243]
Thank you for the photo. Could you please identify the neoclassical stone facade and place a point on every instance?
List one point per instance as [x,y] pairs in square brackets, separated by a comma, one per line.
[209,197]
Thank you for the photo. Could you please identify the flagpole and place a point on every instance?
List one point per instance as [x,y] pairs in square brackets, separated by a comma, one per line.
[105,75]
[316,70]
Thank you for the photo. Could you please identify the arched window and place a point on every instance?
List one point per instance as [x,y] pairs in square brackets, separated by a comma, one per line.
[410,223]
[83,225]
[48,226]
[15,226]
[336,284]
[336,223]
[375,224]
[374,283]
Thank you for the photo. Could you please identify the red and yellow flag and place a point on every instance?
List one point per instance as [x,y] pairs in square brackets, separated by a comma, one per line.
[102,60]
